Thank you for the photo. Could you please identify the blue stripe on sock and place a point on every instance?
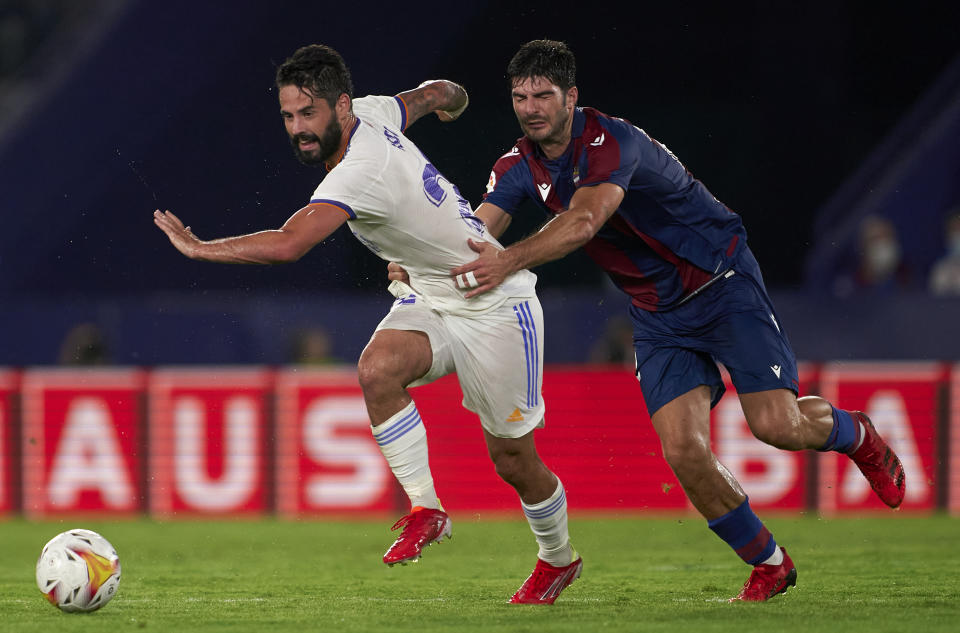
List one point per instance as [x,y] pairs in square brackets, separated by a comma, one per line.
[542,513]
[410,421]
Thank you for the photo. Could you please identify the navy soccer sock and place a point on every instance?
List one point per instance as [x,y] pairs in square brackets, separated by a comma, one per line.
[742,530]
[846,433]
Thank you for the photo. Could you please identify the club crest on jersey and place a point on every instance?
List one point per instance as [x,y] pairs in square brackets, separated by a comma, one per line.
[576,174]
[492,183]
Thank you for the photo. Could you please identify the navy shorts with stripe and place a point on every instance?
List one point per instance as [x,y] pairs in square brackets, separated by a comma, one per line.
[732,322]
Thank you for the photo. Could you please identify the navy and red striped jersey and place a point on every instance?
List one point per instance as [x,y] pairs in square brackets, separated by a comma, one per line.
[669,236]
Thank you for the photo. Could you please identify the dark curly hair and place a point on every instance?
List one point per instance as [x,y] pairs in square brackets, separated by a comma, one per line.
[319,70]
[544,58]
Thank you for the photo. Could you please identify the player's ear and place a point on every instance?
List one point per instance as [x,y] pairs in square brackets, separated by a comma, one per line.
[572,96]
[344,104]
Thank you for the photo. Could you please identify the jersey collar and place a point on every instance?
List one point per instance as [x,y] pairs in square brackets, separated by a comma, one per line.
[346,148]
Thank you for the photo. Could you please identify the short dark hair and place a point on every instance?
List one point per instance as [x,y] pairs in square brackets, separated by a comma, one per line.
[544,58]
[319,70]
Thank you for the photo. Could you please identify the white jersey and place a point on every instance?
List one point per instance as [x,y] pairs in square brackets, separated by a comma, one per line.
[405,211]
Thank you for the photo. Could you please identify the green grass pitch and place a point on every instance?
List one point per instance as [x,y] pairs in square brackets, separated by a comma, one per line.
[895,573]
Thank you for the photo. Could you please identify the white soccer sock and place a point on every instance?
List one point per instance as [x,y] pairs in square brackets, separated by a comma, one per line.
[403,442]
[548,520]
[775,559]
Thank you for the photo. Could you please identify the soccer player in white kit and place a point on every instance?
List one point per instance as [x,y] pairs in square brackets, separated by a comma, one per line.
[400,206]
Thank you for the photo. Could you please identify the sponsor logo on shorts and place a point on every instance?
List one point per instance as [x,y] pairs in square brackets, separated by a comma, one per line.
[516,416]
[776,370]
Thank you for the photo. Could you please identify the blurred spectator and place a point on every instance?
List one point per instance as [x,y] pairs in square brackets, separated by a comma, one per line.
[312,347]
[615,345]
[945,274]
[84,344]
[24,27]
[880,266]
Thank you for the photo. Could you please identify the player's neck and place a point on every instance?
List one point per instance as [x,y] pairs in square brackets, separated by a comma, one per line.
[347,131]
[554,148]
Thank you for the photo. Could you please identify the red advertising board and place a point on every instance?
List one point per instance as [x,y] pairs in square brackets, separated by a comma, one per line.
[208,441]
[902,400]
[953,450]
[326,458]
[8,468]
[771,477]
[81,441]
[245,441]
[597,439]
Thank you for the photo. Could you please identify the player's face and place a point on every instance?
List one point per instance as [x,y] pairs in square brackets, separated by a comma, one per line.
[312,125]
[543,109]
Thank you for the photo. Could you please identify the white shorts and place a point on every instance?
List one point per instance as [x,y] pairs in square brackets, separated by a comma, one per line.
[497,356]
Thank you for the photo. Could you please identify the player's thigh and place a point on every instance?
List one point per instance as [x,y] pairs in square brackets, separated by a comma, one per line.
[415,325]
[499,362]
[667,367]
[747,338]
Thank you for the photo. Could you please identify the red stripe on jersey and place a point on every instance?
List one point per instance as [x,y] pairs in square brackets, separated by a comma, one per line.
[623,272]
[603,151]
[692,277]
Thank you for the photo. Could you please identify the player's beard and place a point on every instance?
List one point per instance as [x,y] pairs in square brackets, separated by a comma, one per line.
[327,145]
[554,131]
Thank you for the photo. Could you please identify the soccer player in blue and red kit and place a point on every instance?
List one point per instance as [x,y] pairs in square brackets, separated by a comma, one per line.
[696,296]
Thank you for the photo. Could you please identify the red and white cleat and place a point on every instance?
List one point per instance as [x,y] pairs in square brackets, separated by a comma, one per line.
[421,527]
[879,464]
[546,582]
[766,581]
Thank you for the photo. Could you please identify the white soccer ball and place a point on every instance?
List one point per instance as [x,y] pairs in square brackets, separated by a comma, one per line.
[78,570]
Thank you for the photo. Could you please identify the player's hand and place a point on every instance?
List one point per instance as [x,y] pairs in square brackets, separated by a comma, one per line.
[396,272]
[180,236]
[484,273]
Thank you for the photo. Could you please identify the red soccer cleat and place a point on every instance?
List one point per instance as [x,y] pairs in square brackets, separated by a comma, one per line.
[879,464]
[421,527]
[546,582]
[766,581]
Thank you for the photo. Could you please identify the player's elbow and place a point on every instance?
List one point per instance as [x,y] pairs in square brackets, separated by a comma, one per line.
[583,227]
[287,253]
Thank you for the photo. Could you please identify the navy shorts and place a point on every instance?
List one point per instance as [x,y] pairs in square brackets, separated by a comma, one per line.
[731,322]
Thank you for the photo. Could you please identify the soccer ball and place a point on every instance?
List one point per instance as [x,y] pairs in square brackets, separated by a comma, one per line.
[78,570]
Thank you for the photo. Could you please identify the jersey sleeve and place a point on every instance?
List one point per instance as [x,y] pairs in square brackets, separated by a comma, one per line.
[506,188]
[391,110]
[613,154]
[356,189]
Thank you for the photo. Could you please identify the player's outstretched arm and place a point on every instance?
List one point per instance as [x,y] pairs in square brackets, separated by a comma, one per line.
[444,97]
[305,229]
[589,209]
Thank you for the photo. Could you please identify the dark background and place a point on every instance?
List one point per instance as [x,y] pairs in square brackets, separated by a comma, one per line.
[171,105]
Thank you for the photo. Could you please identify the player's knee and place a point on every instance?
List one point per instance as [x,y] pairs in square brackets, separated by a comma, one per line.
[511,467]
[377,370]
[777,430]
[684,454]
